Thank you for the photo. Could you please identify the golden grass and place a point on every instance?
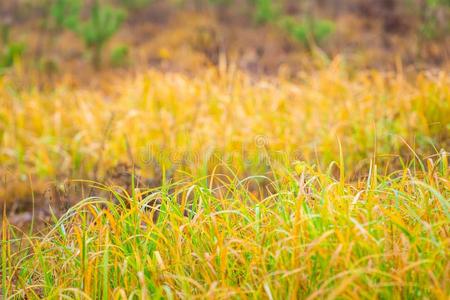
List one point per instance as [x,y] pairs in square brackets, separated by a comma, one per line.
[50,134]
[335,186]
[313,237]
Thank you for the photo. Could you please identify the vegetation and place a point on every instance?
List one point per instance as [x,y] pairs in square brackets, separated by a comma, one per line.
[292,228]
[103,22]
[273,169]
[308,32]
[313,236]
[10,52]
[370,113]
[265,11]
[66,13]
[434,23]
[119,56]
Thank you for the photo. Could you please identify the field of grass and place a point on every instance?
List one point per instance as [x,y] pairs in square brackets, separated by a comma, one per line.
[157,119]
[333,186]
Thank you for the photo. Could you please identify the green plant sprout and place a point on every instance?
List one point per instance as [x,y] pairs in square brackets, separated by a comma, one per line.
[104,21]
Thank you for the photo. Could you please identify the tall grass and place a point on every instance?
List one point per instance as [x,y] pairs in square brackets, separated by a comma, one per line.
[311,237]
[333,186]
[158,119]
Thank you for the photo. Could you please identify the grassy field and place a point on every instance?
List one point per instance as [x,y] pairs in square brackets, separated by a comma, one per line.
[222,185]
[224,149]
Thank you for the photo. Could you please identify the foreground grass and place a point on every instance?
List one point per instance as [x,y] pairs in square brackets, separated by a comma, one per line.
[310,237]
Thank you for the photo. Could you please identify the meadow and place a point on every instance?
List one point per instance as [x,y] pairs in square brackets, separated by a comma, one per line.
[208,150]
[336,187]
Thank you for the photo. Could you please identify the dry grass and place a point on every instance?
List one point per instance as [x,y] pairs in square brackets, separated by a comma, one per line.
[333,187]
[65,131]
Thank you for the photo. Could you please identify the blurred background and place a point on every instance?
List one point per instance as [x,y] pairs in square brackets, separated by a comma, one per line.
[54,37]
[99,89]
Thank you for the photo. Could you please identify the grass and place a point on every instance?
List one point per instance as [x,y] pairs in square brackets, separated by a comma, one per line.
[156,118]
[312,237]
[335,186]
